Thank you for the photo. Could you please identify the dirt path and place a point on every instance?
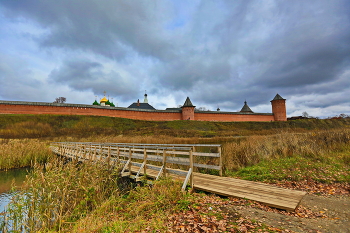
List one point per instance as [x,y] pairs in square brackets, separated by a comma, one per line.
[319,214]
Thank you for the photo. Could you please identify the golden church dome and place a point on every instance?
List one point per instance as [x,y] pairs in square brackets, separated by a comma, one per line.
[103,100]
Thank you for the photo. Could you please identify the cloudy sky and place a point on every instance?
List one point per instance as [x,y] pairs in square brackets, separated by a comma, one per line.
[219,53]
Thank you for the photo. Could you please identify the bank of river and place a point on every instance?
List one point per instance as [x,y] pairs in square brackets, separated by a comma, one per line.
[6,180]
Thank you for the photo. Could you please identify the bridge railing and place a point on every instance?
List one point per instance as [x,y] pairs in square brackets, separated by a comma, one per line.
[154,160]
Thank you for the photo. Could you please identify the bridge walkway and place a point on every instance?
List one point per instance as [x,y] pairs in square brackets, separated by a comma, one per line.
[150,161]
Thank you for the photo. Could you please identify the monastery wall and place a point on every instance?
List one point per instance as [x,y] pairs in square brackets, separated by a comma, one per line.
[233,117]
[16,107]
[70,110]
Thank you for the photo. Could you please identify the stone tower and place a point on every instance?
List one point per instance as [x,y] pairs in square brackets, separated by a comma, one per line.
[279,108]
[188,110]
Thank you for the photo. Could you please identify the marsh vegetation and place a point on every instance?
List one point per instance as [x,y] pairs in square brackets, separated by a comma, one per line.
[83,197]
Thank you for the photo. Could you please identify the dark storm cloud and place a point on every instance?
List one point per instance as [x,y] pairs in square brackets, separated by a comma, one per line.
[216,52]
[87,75]
[264,49]
[17,81]
[111,28]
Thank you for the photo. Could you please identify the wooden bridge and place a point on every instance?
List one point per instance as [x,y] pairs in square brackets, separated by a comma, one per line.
[186,162]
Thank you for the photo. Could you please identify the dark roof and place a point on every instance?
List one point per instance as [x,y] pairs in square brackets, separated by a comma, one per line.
[278,97]
[188,103]
[246,108]
[142,106]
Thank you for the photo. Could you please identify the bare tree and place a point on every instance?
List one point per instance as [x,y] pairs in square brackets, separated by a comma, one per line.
[343,115]
[202,109]
[305,114]
[60,100]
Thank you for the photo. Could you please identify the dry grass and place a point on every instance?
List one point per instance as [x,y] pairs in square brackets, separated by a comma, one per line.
[59,193]
[86,197]
[316,144]
[16,153]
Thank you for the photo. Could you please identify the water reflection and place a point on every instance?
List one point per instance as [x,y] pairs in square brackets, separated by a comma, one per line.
[7,178]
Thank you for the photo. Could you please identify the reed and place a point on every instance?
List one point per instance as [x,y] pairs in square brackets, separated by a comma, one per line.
[57,193]
[16,153]
[88,197]
[143,208]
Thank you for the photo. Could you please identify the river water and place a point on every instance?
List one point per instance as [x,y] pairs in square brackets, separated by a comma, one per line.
[6,180]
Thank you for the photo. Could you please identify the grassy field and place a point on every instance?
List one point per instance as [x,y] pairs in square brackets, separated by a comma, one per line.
[86,198]
[53,126]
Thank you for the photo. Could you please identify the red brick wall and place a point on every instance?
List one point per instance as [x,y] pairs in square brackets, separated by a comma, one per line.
[137,115]
[37,109]
[232,117]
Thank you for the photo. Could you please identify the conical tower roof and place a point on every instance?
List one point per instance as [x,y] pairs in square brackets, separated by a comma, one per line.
[188,103]
[246,108]
[278,97]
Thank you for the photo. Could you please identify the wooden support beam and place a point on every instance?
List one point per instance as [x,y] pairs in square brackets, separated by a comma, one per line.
[186,179]
[145,162]
[191,168]
[164,163]
[220,160]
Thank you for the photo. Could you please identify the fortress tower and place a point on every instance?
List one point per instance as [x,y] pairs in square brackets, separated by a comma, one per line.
[188,110]
[279,108]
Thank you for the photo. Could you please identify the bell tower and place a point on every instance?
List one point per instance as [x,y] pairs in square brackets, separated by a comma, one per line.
[279,108]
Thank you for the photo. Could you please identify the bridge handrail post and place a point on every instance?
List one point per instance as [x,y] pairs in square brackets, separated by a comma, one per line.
[220,160]
[130,155]
[95,152]
[164,162]
[109,157]
[76,152]
[118,154]
[191,168]
[193,150]
[101,152]
[145,161]
[90,152]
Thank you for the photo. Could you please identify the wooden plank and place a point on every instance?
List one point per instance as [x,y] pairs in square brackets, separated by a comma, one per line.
[238,190]
[178,160]
[207,166]
[202,154]
[287,205]
[246,184]
[176,171]
[282,198]
[271,192]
